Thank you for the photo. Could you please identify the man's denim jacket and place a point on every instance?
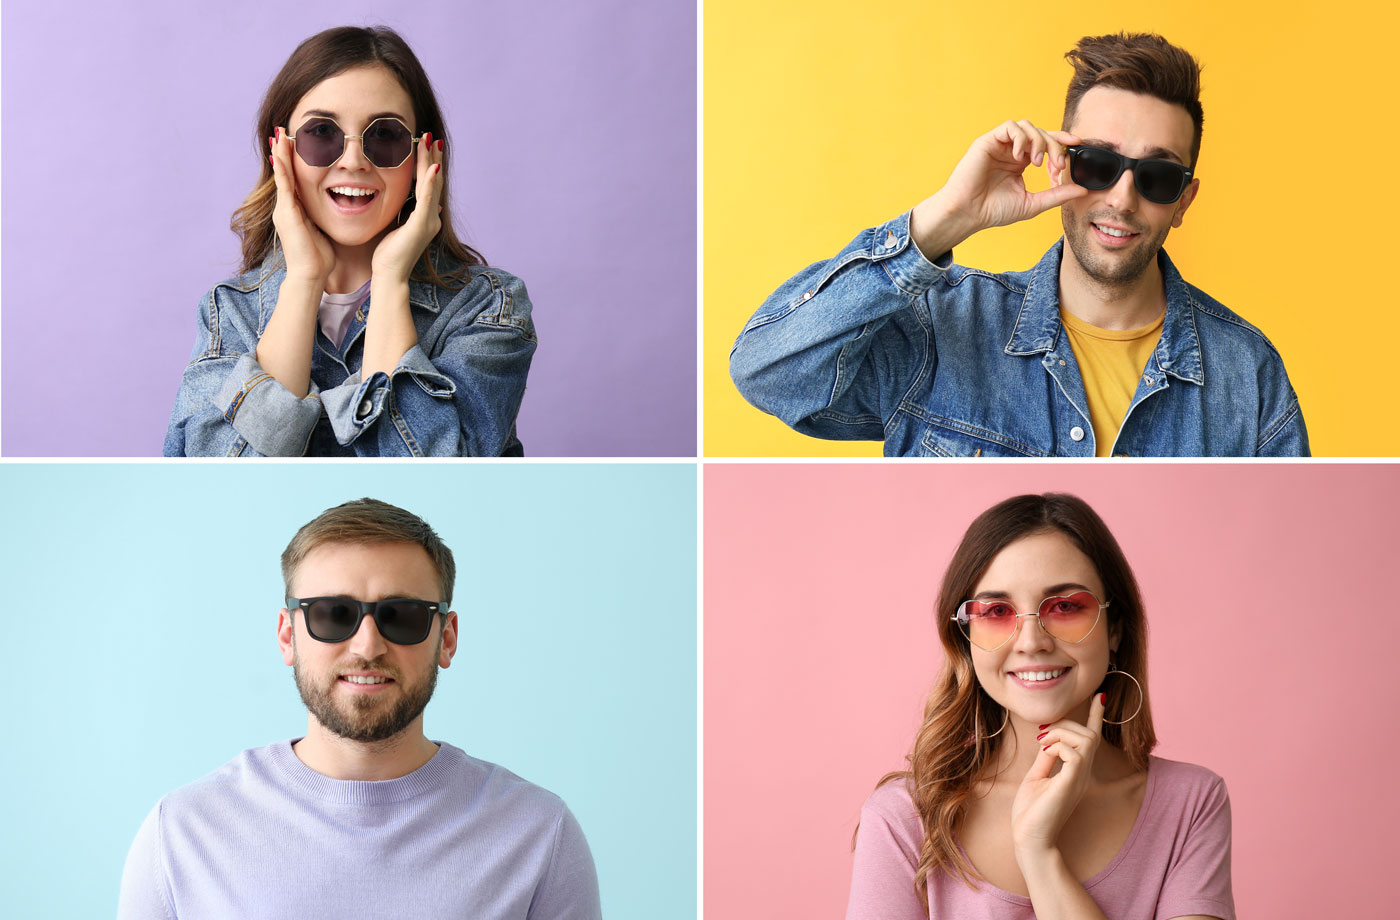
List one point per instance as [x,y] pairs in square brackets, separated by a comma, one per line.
[456,393]
[940,360]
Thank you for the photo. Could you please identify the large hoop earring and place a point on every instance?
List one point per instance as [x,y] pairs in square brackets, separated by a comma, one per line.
[977,724]
[1114,669]
[413,201]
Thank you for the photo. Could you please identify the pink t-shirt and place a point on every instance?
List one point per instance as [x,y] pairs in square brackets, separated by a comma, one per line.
[1175,863]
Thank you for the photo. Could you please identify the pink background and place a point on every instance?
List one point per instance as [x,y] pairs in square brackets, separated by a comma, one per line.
[1273,606]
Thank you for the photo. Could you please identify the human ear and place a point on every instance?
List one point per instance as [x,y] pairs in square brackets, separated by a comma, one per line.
[449,640]
[1185,200]
[284,636]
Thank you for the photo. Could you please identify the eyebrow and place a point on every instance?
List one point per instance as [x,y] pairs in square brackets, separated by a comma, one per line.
[1052,591]
[1154,153]
[322,113]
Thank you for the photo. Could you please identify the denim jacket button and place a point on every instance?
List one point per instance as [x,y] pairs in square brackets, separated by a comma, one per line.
[1076,433]
[365,408]
[890,241]
[1147,380]
[807,296]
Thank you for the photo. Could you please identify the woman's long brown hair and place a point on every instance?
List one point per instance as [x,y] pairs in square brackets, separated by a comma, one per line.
[318,58]
[952,750]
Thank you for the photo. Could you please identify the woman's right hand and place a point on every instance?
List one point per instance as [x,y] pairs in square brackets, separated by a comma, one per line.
[308,253]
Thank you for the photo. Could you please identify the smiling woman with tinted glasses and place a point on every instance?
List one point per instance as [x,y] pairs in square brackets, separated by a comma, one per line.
[1031,790]
[360,325]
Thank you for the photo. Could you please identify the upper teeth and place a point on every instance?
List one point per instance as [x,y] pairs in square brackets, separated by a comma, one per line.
[356,192]
[356,679]
[1111,231]
[1040,675]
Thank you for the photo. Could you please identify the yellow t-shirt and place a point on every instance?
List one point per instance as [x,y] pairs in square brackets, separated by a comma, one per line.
[1111,362]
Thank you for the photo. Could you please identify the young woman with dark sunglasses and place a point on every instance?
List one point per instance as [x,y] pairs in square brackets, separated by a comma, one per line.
[1031,790]
[360,325]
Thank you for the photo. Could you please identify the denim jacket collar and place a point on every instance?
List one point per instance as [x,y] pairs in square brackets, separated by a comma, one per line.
[1038,324]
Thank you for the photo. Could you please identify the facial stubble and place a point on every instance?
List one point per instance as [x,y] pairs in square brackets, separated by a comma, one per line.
[1110,274]
[366,719]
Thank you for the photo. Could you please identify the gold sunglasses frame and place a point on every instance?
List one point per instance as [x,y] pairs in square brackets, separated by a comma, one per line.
[345,144]
[965,629]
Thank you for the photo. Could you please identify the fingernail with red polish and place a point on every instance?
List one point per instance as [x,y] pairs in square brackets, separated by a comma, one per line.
[1103,698]
[1046,725]
[439,146]
[1041,735]
[1046,748]
[429,139]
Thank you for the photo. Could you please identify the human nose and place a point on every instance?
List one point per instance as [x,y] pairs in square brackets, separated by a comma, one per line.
[353,157]
[1123,196]
[367,642]
[1030,635]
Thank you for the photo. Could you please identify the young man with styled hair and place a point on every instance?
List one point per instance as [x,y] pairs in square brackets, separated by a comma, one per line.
[364,813]
[1100,349]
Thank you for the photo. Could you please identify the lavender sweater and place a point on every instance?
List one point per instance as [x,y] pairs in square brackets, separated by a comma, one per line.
[1175,863]
[265,836]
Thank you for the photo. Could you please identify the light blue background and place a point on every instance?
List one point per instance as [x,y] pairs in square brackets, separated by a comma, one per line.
[140,612]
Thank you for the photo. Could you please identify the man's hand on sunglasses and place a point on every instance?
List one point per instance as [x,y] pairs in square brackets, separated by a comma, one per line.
[309,255]
[987,188]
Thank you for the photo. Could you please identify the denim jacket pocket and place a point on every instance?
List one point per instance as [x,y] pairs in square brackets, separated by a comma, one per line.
[949,438]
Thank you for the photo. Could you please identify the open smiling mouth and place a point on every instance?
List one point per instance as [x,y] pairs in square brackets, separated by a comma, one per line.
[1048,677]
[351,200]
[1113,236]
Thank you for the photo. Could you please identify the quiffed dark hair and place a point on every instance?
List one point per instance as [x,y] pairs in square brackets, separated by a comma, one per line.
[1139,62]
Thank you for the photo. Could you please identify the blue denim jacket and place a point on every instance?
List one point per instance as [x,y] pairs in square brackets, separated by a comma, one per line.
[938,360]
[456,393]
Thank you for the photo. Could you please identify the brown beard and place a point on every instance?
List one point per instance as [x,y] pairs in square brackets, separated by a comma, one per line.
[365,719]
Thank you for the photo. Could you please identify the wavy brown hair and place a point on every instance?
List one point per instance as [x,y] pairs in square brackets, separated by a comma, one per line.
[320,57]
[952,751]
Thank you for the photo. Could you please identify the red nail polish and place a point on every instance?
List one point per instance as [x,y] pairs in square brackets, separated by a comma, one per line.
[1103,698]
[1046,725]
[1046,748]
[269,159]
[430,139]
[1041,735]
[439,146]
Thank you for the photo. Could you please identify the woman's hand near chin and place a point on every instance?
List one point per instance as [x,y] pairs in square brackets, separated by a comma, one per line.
[284,350]
[390,332]
[1044,803]
[309,254]
[1042,806]
[400,249]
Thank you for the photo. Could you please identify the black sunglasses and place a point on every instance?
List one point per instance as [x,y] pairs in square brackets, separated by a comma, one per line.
[401,620]
[1097,168]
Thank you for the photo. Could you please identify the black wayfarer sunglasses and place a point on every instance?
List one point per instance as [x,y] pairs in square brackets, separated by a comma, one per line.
[1097,168]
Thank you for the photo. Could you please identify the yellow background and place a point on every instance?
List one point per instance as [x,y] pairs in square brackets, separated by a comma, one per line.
[823,118]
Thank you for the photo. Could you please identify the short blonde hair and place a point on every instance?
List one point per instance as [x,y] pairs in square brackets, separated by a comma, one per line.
[367,521]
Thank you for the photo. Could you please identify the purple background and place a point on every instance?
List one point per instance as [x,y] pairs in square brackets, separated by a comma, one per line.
[128,143]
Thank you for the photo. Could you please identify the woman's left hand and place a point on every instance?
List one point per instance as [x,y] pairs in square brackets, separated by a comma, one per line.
[1044,803]
[401,247]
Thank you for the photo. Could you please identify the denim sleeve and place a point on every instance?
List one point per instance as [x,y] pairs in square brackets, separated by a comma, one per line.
[834,350]
[228,406]
[459,401]
[1282,432]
